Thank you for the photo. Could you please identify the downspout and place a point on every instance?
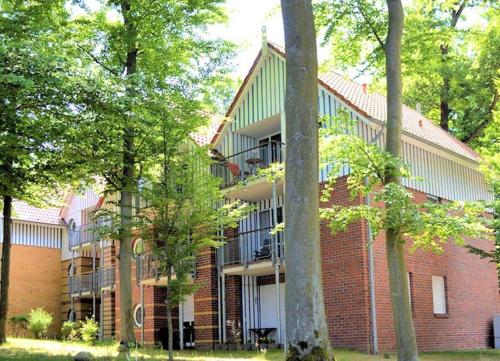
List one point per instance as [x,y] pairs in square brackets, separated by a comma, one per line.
[371,278]
[371,264]
[101,305]
[94,278]
[219,286]
[276,264]
[71,278]
[181,325]
[142,315]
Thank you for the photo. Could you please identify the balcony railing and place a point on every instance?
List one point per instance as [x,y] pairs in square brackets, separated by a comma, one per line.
[84,234]
[106,277]
[92,281]
[242,165]
[252,246]
[147,266]
[81,283]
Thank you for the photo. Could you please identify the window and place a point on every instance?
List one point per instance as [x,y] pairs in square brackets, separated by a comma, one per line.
[138,247]
[138,315]
[439,295]
[71,316]
[433,199]
[71,270]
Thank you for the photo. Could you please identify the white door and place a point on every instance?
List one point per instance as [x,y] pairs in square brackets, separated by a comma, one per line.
[268,309]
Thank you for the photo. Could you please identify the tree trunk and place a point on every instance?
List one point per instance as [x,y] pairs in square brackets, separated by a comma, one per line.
[128,189]
[307,333]
[4,277]
[444,106]
[169,320]
[401,309]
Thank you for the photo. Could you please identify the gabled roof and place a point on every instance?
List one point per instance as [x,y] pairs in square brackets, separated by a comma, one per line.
[372,106]
[25,212]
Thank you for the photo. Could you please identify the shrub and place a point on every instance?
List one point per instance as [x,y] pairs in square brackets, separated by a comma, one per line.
[39,322]
[66,329]
[89,330]
[19,325]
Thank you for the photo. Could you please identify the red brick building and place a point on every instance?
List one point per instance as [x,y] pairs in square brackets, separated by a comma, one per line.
[453,296]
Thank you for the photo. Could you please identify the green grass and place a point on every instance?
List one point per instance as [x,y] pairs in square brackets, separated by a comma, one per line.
[39,350]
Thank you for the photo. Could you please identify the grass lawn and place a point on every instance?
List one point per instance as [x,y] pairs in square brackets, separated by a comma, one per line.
[39,350]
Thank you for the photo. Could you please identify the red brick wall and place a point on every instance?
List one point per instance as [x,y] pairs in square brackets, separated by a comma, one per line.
[233,302]
[205,300]
[345,279]
[472,296]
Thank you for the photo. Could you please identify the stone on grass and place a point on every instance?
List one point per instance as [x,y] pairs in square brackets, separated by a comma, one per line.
[84,356]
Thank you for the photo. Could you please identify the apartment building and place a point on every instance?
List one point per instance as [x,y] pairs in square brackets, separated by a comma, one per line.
[453,296]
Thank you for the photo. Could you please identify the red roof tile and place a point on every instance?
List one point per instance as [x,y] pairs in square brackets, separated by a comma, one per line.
[374,105]
[25,212]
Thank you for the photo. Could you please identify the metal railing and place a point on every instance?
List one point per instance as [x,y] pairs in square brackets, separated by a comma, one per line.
[105,277]
[242,165]
[91,281]
[147,266]
[252,246]
[81,283]
[84,234]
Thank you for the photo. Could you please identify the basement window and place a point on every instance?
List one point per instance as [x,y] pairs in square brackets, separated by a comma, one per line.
[439,295]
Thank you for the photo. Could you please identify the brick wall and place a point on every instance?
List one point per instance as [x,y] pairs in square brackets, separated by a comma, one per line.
[472,296]
[345,279]
[205,300]
[233,302]
[35,281]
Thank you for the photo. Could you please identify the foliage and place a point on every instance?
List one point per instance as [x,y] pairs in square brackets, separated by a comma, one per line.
[19,325]
[429,225]
[449,56]
[70,331]
[89,331]
[235,327]
[39,322]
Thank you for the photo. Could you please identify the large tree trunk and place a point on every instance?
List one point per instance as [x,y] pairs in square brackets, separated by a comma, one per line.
[4,277]
[128,189]
[306,330]
[401,309]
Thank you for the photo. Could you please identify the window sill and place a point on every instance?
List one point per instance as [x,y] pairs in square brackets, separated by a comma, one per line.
[441,315]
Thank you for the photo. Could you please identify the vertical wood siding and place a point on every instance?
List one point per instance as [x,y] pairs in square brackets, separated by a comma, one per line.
[35,234]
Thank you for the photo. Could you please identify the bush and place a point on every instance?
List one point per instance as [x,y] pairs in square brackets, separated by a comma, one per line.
[19,325]
[39,322]
[66,329]
[89,330]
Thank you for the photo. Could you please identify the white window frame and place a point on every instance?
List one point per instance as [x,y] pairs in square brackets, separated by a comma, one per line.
[136,321]
[439,295]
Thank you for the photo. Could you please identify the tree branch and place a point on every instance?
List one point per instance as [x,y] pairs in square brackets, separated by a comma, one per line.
[99,62]
[455,15]
[372,28]
[475,133]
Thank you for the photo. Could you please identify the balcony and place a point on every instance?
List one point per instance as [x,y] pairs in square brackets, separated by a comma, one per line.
[252,252]
[86,284]
[106,278]
[84,236]
[242,168]
[147,268]
[81,285]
